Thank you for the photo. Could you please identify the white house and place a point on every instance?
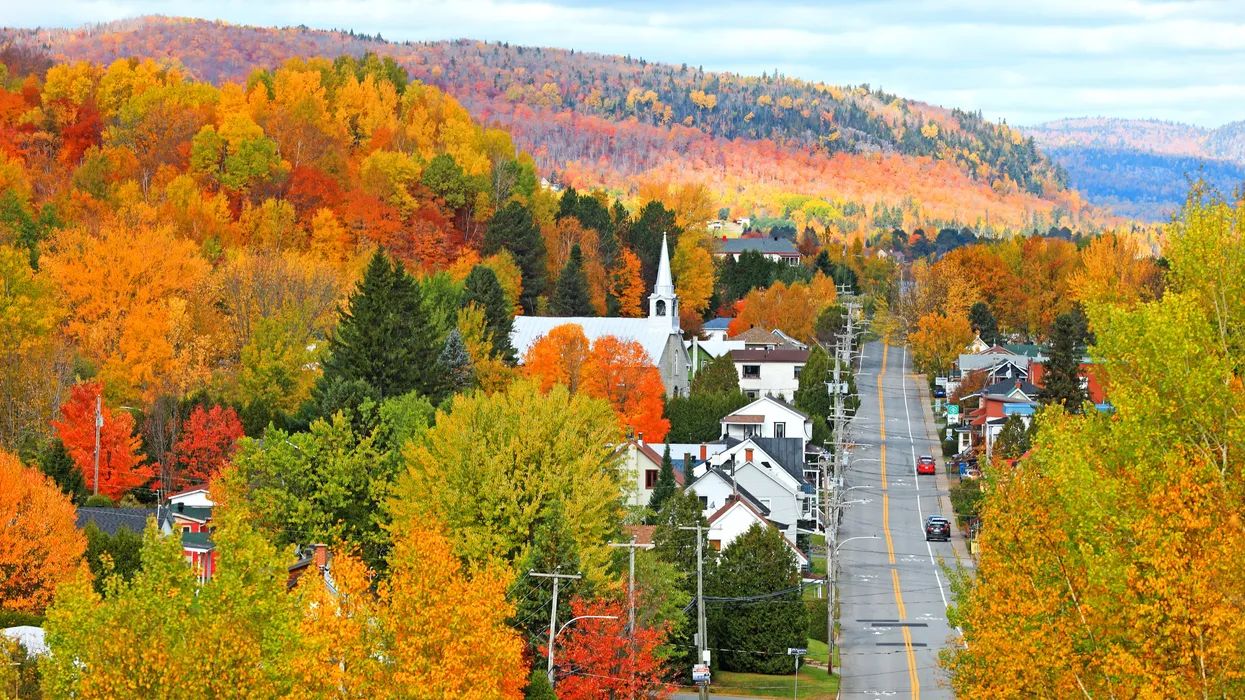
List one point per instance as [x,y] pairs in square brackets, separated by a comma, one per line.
[770,472]
[767,417]
[659,334]
[641,465]
[716,328]
[771,248]
[735,518]
[769,372]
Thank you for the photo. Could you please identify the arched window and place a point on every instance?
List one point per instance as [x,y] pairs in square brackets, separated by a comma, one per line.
[661,308]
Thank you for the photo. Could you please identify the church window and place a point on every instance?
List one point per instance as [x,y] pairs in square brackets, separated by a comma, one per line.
[661,308]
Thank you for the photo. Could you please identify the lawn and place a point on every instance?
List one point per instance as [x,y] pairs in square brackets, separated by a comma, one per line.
[815,684]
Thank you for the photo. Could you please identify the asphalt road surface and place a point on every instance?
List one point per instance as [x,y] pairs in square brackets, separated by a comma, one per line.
[893,593]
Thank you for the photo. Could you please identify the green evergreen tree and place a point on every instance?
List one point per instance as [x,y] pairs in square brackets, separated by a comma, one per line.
[983,323]
[666,486]
[570,296]
[759,561]
[383,337]
[56,463]
[445,177]
[513,229]
[677,548]
[698,417]
[717,377]
[568,205]
[813,396]
[830,323]
[1013,439]
[122,549]
[482,289]
[646,234]
[552,549]
[1062,378]
[538,687]
[454,365]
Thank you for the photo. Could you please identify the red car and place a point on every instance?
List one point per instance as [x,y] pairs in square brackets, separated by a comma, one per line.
[925,465]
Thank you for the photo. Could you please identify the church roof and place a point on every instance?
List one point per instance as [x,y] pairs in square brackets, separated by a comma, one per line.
[528,329]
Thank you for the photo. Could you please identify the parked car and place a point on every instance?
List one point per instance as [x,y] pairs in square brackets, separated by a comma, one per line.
[925,465]
[937,528]
[940,393]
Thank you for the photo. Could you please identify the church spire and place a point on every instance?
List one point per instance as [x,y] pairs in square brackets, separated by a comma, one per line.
[663,304]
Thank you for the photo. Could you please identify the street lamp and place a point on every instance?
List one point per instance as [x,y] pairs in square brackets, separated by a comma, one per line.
[831,558]
[568,624]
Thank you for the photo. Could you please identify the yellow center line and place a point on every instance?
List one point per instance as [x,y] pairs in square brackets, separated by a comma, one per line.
[886,530]
[903,614]
[913,678]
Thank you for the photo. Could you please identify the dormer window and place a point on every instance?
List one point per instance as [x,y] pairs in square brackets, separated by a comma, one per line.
[661,307]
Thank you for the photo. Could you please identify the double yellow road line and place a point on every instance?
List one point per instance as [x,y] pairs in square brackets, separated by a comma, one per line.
[913,678]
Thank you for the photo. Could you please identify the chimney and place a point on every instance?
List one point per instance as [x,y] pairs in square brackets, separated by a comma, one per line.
[704,452]
[320,555]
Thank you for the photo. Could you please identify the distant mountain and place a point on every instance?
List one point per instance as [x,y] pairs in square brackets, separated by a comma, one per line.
[850,159]
[1142,168]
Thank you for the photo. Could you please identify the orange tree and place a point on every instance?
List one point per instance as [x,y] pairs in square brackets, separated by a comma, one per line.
[599,658]
[622,373]
[121,467]
[40,546]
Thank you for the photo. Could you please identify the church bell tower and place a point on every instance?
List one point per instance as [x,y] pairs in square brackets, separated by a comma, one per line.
[663,303]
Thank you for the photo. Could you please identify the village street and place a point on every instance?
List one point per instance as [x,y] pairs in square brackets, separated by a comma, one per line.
[892,590]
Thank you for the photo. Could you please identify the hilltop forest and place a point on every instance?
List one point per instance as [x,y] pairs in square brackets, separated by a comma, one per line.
[847,161]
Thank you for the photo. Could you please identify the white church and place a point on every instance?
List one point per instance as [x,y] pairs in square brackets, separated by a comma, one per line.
[659,334]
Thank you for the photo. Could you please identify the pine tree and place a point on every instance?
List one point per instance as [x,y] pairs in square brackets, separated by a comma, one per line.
[568,205]
[830,323]
[1062,378]
[813,397]
[982,320]
[717,377]
[1013,439]
[759,561]
[58,464]
[570,296]
[666,485]
[538,687]
[454,364]
[512,228]
[383,337]
[482,289]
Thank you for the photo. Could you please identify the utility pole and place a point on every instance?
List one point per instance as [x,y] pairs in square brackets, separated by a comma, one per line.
[631,547]
[834,470]
[553,613]
[99,423]
[702,642]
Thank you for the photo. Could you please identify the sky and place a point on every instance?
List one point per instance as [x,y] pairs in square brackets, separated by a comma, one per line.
[1025,62]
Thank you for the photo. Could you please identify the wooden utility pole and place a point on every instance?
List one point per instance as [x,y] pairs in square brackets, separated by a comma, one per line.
[553,612]
[702,641]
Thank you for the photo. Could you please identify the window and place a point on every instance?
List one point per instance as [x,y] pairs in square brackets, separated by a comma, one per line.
[716,544]
[747,454]
[650,478]
[780,430]
[805,507]
[765,502]
[751,393]
[752,371]
[661,308]
[798,369]
[704,502]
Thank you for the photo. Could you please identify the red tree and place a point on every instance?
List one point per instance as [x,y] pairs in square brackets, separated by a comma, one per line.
[623,373]
[600,660]
[208,441]
[121,468]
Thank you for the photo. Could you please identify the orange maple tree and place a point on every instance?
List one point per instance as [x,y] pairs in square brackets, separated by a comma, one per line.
[121,467]
[40,545]
[559,357]
[209,438]
[622,372]
[599,659]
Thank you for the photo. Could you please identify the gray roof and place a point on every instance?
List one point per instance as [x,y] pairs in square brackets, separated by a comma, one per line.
[766,246]
[725,476]
[718,323]
[788,451]
[969,362]
[1008,386]
[110,520]
[651,334]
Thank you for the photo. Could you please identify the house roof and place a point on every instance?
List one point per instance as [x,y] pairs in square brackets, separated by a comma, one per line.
[732,502]
[197,513]
[717,324]
[643,534]
[743,419]
[201,541]
[110,520]
[757,335]
[721,474]
[766,246]
[655,458]
[683,466]
[742,411]
[1006,387]
[1026,349]
[190,491]
[788,451]
[529,329]
[778,355]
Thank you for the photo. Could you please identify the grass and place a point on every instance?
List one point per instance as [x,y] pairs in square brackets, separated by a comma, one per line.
[815,684]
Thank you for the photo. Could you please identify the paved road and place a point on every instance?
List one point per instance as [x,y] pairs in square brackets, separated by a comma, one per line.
[893,593]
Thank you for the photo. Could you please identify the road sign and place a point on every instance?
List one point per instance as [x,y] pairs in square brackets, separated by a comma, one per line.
[700,673]
[797,651]
[953,414]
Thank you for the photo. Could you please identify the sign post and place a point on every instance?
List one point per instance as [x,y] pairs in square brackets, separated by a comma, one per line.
[797,652]
[953,414]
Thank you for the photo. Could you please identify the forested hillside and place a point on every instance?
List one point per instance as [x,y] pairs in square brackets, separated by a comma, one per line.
[1141,168]
[830,157]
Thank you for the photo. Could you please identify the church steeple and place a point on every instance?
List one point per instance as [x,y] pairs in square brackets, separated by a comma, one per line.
[663,304]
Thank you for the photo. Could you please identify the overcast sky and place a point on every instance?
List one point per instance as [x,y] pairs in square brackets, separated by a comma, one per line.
[1023,61]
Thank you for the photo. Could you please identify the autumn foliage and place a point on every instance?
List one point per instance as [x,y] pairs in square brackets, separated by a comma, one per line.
[40,544]
[600,658]
[121,467]
[618,371]
[209,439]
[792,309]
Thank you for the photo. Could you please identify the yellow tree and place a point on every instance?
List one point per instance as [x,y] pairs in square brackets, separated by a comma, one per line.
[938,341]
[692,266]
[492,374]
[627,286]
[1114,271]
[28,316]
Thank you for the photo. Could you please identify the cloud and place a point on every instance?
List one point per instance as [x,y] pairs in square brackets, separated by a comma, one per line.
[1022,61]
